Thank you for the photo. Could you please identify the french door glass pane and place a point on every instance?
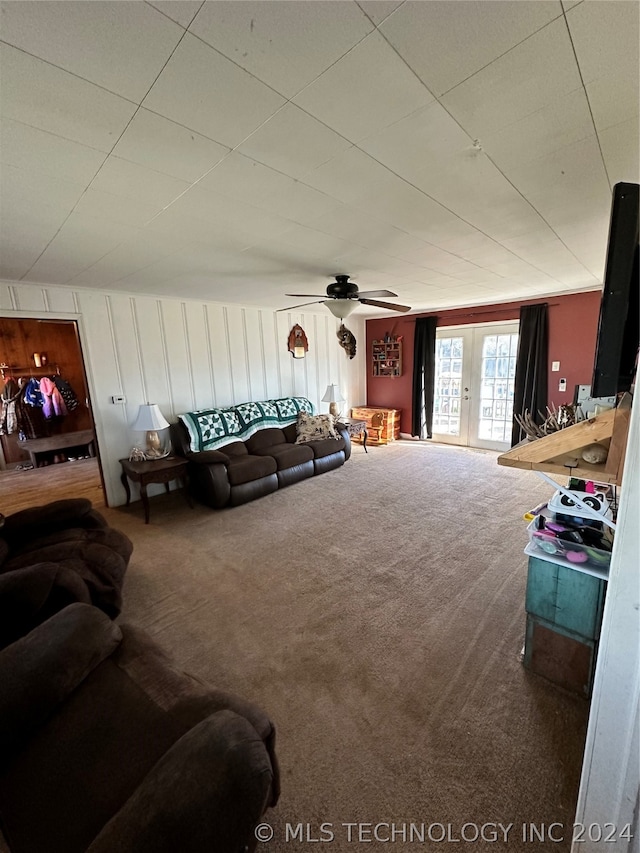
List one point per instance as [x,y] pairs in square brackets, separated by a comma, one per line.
[496,391]
[448,386]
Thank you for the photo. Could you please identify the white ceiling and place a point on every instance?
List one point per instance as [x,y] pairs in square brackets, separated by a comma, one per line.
[456,152]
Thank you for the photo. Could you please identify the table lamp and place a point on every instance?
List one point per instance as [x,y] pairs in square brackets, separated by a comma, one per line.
[332,396]
[151,420]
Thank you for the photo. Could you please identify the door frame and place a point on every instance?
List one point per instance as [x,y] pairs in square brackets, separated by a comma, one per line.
[468,432]
[66,316]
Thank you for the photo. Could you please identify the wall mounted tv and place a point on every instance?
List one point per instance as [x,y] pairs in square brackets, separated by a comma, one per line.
[619,326]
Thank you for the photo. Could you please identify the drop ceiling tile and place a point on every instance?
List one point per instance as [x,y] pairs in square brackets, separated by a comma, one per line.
[23,189]
[350,175]
[180,11]
[316,243]
[158,143]
[601,31]
[127,258]
[117,209]
[365,91]
[99,42]
[224,213]
[412,211]
[38,94]
[293,142]
[356,226]
[38,151]
[613,100]
[226,112]
[81,241]
[471,187]
[428,136]
[565,184]
[562,122]
[621,151]
[378,10]
[130,180]
[244,179]
[24,235]
[527,78]
[283,45]
[445,42]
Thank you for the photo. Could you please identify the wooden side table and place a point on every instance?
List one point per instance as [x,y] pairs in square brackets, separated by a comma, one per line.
[356,426]
[154,471]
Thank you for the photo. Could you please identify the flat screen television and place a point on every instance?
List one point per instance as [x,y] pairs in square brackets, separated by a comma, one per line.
[619,325]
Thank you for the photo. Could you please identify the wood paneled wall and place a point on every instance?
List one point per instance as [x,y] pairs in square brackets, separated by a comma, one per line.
[186,355]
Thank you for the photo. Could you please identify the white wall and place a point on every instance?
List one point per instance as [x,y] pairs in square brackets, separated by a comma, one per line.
[186,355]
[611,768]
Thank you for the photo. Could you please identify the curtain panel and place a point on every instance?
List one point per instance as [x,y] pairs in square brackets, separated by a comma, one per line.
[424,369]
[530,390]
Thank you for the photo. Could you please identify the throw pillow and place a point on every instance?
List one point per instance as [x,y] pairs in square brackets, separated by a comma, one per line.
[314,427]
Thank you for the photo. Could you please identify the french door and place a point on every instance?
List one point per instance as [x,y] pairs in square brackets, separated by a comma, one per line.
[473,389]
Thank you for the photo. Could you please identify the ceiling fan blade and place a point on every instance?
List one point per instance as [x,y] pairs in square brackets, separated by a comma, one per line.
[294,307]
[374,294]
[393,306]
[302,295]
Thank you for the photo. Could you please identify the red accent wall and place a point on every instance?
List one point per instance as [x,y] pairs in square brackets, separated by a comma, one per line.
[573,326]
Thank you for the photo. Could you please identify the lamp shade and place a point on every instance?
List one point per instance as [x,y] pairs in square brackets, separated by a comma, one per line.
[150,418]
[332,395]
[341,308]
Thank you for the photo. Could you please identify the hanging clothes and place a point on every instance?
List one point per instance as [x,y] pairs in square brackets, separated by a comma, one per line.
[66,392]
[52,403]
[32,395]
[31,423]
[10,394]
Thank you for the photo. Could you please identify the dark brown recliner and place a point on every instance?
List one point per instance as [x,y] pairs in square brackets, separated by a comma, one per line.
[54,555]
[105,746]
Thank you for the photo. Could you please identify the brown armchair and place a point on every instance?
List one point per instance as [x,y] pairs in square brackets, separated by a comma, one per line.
[105,746]
[54,555]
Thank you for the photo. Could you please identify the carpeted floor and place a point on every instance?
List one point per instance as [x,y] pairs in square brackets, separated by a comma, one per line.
[377,613]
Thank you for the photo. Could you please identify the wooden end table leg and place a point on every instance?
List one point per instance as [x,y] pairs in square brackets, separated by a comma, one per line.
[184,484]
[145,501]
[125,482]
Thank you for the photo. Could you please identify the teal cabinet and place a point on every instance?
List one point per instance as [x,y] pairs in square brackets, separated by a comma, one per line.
[564,614]
[565,597]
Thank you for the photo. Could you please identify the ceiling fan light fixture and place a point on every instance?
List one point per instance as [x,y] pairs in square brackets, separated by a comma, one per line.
[341,308]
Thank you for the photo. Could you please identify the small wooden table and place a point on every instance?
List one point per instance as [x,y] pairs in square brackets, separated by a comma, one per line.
[354,426]
[154,471]
[82,440]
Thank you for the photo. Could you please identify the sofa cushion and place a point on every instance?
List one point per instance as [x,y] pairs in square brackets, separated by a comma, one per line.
[326,446]
[314,427]
[236,448]
[265,438]
[287,455]
[244,469]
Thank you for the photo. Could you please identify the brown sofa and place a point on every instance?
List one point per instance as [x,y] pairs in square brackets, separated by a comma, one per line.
[239,471]
[54,555]
[105,746]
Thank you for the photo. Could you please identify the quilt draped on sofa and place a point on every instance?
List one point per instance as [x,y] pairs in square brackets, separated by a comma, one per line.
[210,429]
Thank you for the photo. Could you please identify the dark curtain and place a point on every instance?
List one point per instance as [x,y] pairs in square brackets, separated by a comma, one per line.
[424,367]
[530,391]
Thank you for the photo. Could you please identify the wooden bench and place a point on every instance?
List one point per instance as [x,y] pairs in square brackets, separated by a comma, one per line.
[81,442]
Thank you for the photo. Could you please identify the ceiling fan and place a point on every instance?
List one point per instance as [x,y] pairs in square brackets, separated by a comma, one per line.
[343,296]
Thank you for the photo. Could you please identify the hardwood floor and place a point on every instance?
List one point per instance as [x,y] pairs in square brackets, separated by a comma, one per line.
[22,489]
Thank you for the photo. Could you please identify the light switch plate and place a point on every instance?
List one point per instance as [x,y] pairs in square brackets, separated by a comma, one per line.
[555,366]
[118,398]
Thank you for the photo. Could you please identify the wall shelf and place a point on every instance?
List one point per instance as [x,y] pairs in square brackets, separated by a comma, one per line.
[554,453]
[386,358]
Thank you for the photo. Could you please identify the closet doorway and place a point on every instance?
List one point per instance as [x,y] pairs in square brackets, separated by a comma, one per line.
[31,350]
